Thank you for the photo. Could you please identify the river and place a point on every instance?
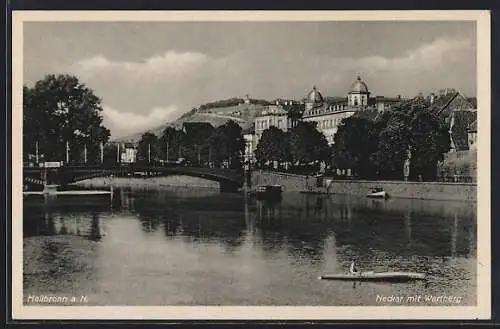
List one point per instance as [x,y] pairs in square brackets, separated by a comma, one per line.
[179,246]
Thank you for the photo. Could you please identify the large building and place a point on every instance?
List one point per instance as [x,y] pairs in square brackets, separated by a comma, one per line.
[272,115]
[250,145]
[328,112]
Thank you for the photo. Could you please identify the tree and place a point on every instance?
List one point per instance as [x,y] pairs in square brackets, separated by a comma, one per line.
[60,109]
[196,140]
[148,148]
[273,146]
[355,141]
[412,126]
[429,141]
[308,144]
[110,153]
[294,112]
[169,143]
[177,142]
[227,143]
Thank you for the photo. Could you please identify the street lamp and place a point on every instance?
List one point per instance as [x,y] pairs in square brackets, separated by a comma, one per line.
[406,165]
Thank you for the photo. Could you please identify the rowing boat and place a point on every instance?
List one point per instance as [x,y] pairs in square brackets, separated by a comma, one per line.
[378,193]
[375,276]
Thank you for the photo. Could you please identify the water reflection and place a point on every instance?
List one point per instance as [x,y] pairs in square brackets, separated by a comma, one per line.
[202,235]
[63,223]
[302,222]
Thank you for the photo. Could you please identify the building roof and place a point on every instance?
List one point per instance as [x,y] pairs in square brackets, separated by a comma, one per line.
[472,101]
[335,100]
[314,96]
[388,99]
[128,145]
[272,110]
[462,121]
[443,105]
[473,127]
[358,87]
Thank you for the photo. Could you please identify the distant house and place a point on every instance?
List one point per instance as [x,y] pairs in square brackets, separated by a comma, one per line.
[459,112]
[250,143]
[271,115]
[472,130]
[128,153]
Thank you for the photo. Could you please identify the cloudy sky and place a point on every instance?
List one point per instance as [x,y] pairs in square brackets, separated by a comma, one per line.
[150,72]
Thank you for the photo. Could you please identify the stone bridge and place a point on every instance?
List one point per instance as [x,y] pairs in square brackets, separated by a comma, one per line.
[229,179]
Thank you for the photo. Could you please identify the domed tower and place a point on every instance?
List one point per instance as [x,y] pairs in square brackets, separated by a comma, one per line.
[358,94]
[314,99]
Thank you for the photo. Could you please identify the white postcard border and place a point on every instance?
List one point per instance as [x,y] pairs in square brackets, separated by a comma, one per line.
[481,311]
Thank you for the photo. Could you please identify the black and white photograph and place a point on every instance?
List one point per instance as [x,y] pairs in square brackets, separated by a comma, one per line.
[252,165]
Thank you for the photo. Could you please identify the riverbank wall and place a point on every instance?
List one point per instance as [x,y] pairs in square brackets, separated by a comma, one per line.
[147,182]
[395,189]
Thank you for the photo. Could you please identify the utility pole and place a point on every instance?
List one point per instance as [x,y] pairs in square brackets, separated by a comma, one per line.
[406,165]
[118,154]
[45,177]
[36,152]
[210,156]
[85,154]
[167,151]
[67,152]
[149,153]
[102,152]
[199,155]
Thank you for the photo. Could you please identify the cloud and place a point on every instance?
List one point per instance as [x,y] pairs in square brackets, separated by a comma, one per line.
[427,56]
[138,95]
[128,123]
[170,62]
[433,65]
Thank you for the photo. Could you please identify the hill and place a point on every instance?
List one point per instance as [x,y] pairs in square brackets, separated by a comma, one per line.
[215,113]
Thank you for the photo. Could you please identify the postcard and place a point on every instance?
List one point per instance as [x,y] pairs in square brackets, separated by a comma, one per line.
[253,165]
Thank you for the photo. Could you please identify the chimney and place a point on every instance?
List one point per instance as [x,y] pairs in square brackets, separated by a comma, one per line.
[399,96]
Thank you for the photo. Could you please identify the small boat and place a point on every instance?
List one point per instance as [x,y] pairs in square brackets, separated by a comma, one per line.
[268,191]
[375,276]
[378,192]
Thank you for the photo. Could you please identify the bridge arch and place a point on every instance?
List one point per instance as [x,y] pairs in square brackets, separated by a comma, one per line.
[228,179]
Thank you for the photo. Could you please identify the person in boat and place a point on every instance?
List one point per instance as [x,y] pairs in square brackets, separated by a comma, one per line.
[353,269]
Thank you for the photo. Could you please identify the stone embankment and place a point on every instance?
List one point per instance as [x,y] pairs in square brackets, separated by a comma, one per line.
[395,189]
